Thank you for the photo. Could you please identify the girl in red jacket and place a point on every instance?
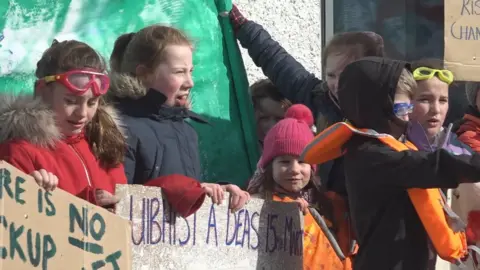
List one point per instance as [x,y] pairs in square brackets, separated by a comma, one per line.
[65,134]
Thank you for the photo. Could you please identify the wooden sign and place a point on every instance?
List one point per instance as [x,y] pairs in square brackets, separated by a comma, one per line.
[263,235]
[56,230]
[462,39]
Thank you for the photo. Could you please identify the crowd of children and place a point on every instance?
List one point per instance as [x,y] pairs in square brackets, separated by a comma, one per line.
[373,184]
[377,169]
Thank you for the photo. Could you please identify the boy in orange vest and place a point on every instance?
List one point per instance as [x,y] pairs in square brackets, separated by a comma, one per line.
[374,95]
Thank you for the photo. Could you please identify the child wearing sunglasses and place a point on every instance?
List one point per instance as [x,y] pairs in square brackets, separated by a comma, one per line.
[65,135]
[151,82]
[380,169]
[430,107]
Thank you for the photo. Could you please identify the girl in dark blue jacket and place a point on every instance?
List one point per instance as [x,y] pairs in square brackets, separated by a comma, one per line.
[151,82]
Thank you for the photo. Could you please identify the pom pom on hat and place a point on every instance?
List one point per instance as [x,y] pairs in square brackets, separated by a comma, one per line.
[289,136]
[301,113]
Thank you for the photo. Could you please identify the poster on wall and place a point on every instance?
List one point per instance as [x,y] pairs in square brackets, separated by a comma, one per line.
[462,35]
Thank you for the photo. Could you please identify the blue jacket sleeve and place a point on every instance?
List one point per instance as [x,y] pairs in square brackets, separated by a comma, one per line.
[290,77]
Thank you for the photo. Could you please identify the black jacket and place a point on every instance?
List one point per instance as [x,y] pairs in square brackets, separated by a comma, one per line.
[299,86]
[389,231]
[160,140]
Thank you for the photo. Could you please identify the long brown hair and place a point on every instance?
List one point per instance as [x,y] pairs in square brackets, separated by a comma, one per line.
[103,134]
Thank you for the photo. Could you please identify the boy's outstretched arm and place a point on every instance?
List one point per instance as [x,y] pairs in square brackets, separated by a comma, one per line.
[416,169]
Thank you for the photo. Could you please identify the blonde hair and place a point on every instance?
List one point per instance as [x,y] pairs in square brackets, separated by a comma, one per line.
[406,83]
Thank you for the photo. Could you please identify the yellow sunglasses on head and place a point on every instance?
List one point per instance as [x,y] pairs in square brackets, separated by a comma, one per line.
[426,73]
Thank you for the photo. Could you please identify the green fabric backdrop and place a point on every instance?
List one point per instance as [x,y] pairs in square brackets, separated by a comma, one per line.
[228,147]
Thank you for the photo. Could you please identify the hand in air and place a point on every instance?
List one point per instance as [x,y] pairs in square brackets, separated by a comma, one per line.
[236,17]
[45,179]
[238,197]
[106,199]
[214,191]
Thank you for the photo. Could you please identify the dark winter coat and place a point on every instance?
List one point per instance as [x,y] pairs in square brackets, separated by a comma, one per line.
[388,229]
[160,140]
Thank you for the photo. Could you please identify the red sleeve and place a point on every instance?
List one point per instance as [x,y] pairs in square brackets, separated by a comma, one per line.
[185,194]
[117,175]
[18,156]
[472,139]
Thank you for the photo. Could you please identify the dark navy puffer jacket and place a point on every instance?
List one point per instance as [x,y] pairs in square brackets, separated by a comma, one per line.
[160,140]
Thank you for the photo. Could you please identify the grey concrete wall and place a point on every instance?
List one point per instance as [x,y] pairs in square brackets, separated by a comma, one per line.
[296,24]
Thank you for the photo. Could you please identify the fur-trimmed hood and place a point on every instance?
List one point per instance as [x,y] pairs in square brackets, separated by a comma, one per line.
[27,118]
[123,85]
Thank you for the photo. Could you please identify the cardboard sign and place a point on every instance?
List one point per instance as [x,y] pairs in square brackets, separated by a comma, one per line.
[462,36]
[263,235]
[56,230]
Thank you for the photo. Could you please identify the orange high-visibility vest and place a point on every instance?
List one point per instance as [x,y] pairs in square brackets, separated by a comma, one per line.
[318,253]
[429,204]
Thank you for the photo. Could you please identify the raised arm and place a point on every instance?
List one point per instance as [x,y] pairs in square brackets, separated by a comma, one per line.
[416,169]
[286,73]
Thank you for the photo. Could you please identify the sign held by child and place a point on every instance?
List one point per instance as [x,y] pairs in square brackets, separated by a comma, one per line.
[262,235]
[462,32]
[51,230]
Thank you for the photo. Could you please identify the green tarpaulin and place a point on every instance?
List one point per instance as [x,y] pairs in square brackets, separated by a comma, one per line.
[228,147]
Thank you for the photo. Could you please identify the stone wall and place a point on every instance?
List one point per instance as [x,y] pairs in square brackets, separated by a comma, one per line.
[296,24]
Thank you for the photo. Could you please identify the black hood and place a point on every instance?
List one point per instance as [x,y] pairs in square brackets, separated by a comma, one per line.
[366,91]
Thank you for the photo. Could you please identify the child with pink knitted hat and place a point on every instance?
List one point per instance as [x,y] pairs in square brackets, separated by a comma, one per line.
[282,145]
[284,176]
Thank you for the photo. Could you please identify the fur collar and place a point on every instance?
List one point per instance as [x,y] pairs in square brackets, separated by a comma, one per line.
[124,85]
[27,118]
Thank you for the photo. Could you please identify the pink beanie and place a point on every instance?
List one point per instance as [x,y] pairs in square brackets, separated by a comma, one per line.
[289,136]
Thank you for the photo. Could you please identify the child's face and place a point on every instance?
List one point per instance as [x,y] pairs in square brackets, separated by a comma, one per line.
[335,64]
[173,76]
[291,174]
[72,112]
[267,113]
[430,105]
